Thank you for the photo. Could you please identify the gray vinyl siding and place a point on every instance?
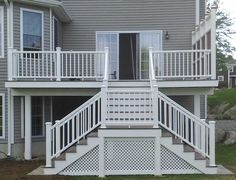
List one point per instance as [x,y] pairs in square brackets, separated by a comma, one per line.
[186,101]
[16,24]
[60,34]
[175,16]
[3,73]
[17,119]
[202,9]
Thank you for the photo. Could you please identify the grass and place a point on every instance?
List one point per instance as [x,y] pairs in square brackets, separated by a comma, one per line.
[223,96]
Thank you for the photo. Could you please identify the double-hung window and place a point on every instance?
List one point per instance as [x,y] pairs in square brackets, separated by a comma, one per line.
[2,120]
[32,30]
[1,31]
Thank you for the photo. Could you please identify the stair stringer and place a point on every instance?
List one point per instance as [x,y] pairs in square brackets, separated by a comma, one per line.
[189,157]
[81,150]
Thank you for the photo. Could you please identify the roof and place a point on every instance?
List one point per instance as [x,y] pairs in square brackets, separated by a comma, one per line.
[57,7]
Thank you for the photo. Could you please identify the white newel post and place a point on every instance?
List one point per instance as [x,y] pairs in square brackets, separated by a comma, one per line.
[10,63]
[58,137]
[212,143]
[48,144]
[103,106]
[28,128]
[155,106]
[58,70]
[213,43]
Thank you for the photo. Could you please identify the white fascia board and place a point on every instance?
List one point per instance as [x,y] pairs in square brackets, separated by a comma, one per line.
[187,84]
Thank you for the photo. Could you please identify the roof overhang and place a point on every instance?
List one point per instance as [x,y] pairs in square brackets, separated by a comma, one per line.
[55,5]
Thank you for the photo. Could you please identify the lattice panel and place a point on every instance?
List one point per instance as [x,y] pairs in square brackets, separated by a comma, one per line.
[129,154]
[87,163]
[171,162]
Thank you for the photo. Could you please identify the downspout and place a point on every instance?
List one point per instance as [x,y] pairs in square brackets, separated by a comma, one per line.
[9,6]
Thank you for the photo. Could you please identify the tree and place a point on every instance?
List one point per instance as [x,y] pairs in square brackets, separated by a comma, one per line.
[224,33]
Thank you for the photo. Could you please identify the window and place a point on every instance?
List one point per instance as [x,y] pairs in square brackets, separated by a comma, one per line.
[221,78]
[2,119]
[32,30]
[1,31]
[37,116]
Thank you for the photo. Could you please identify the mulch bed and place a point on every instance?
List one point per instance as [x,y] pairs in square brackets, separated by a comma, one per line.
[18,170]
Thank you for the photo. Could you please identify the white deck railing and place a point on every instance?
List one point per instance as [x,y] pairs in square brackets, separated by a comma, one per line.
[69,130]
[179,64]
[180,122]
[57,65]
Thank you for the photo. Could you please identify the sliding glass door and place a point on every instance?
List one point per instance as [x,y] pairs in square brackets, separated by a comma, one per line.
[144,40]
[148,39]
[110,40]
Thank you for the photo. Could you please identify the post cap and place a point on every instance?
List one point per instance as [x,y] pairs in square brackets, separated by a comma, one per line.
[48,123]
[212,122]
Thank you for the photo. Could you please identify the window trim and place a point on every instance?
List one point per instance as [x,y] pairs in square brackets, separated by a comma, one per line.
[2,31]
[21,25]
[221,76]
[3,116]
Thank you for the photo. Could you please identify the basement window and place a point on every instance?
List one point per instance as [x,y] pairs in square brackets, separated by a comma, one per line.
[221,78]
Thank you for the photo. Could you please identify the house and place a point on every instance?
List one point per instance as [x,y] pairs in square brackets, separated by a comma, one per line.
[227,76]
[108,87]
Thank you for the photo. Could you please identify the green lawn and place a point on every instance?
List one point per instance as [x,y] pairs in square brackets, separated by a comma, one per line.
[226,155]
[227,96]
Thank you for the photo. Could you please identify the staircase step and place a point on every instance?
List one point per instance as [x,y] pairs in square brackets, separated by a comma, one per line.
[188,148]
[83,142]
[93,134]
[177,141]
[62,157]
[166,134]
[71,149]
[198,156]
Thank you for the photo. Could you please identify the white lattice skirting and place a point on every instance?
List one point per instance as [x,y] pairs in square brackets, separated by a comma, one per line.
[173,164]
[86,165]
[129,156]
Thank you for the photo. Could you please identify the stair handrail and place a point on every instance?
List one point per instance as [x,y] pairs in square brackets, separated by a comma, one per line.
[73,127]
[202,141]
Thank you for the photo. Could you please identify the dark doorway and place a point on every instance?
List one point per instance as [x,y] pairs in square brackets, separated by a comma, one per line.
[128,56]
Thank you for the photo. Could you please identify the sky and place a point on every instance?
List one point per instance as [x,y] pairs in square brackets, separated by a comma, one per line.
[230,7]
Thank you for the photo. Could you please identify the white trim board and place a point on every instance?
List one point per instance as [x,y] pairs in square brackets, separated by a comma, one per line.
[3,116]
[2,31]
[21,25]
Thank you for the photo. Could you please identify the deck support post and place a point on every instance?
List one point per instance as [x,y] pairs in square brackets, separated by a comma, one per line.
[48,144]
[212,143]
[28,128]
[157,156]
[213,43]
